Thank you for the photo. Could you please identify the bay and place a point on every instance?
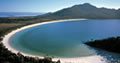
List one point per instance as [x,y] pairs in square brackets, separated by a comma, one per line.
[66,38]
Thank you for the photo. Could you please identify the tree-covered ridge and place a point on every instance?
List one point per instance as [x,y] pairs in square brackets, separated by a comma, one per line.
[110,44]
[84,11]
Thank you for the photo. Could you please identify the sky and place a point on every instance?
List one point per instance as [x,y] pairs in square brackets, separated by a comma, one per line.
[51,5]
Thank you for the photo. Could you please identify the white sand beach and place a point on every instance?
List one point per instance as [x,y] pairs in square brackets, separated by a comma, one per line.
[89,59]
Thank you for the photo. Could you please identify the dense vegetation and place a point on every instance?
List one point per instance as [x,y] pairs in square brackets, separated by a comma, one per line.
[6,26]
[84,11]
[110,44]
[29,20]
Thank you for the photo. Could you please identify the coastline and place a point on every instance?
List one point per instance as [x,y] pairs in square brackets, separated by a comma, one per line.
[90,59]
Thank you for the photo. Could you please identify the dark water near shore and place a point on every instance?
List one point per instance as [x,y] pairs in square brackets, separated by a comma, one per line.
[66,39]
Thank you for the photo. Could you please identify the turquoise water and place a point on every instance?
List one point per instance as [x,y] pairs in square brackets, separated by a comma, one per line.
[64,39]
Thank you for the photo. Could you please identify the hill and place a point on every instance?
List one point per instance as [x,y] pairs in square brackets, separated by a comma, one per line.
[110,44]
[85,10]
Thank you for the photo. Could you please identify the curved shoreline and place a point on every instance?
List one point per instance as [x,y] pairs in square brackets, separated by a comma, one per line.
[90,59]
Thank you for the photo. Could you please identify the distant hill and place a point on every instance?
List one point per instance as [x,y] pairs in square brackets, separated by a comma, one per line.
[19,14]
[84,11]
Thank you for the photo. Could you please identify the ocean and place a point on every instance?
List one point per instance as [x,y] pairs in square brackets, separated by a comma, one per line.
[19,14]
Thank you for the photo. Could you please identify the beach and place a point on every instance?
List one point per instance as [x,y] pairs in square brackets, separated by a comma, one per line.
[89,59]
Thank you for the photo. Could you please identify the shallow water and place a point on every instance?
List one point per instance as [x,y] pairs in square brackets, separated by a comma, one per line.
[65,39]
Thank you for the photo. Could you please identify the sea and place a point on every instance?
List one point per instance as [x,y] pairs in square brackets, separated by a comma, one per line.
[19,14]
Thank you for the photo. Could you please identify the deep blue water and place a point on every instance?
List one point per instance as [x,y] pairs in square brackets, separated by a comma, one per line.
[66,39]
[19,14]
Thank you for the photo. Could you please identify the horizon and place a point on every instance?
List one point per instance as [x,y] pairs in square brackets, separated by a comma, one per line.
[51,6]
